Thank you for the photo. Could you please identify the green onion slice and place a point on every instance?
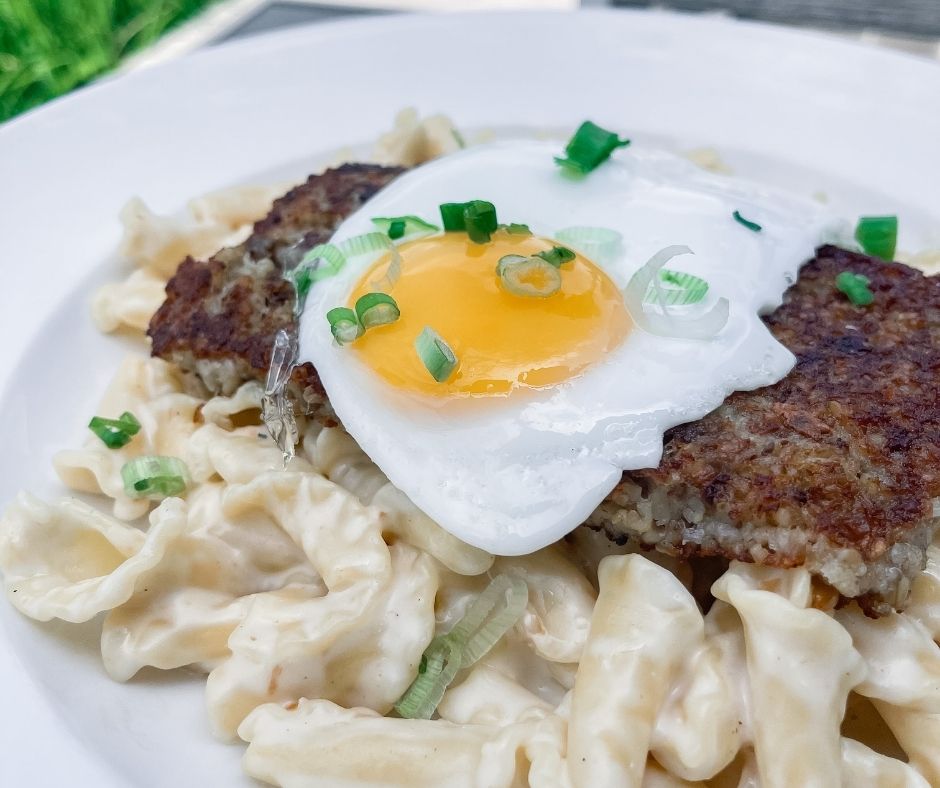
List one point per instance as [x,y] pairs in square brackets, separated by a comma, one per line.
[367,243]
[532,277]
[490,616]
[878,235]
[326,260]
[515,228]
[458,138]
[376,309]
[398,227]
[556,256]
[322,262]
[683,290]
[154,477]
[477,218]
[590,146]
[452,216]
[435,354]
[344,324]
[753,226]
[597,243]
[438,668]
[486,621]
[480,220]
[115,433]
[392,274]
[661,321]
[855,287]
[303,281]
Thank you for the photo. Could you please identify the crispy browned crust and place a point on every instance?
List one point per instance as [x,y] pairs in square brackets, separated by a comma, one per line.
[840,457]
[220,316]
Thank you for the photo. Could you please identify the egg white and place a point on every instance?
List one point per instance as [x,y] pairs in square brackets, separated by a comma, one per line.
[513,474]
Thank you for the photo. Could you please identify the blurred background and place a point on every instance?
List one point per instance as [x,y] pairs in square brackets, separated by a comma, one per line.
[49,47]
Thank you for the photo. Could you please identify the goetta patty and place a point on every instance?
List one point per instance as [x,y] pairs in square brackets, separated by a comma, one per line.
[834,468]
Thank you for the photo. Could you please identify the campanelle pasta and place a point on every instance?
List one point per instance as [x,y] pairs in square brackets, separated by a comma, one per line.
[308,594]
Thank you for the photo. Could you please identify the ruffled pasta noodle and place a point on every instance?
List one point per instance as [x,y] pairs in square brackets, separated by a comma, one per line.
[308,594]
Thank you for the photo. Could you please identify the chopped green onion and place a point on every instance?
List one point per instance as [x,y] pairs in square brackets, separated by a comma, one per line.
[435,354]
[663,322]
[753,226]
[597,243]
[376,309]
[154,477]
[557,256]
[533,277]
[515,228]
[855,287]
[303,281]
[397,227]
[686,289]
[480,220]
[589,147]
[326,260]
[115,433]
[477,218]
[321,262]
[878,235]
[344,324]
[392,273]
[438,668]
[508,260]
[458,138]
[452,216]
[367,243]
[488,618]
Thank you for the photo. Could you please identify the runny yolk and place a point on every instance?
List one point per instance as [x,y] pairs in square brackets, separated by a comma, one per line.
[502,341]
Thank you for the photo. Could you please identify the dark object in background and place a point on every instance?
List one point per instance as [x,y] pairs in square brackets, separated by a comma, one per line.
[275,16]
[913,17]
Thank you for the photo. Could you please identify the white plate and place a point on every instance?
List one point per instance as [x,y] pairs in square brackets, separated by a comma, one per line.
[804,111]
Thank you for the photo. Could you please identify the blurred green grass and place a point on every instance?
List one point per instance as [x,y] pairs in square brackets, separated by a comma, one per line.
[49,47]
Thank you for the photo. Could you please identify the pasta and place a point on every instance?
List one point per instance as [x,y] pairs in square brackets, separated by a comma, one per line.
[307,595]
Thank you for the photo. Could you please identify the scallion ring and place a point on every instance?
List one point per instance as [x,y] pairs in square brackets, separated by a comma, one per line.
[684,289]
[663,322]
[392,273]
[344,324]
[154,477]
[600,244]
[321,262]
[115,433]
[376,309]
[367,243]
[398,227]
[515,228]
[532,277]
[556,256]
[436,355]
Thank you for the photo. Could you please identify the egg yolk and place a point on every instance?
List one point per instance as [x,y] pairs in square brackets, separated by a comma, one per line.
[502,341]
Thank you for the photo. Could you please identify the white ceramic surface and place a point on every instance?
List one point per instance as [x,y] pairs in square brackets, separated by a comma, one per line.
[802,111]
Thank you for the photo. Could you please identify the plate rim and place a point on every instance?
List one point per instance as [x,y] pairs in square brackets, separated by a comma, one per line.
[21,685]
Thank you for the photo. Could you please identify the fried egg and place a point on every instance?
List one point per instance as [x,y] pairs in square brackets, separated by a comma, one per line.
[553,397]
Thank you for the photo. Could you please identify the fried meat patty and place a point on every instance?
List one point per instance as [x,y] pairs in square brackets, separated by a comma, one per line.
[835,468]
[220,316]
